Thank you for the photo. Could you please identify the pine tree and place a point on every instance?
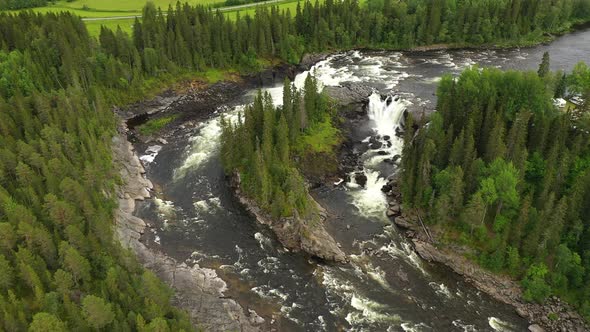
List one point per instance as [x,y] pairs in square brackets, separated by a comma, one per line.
[544,66]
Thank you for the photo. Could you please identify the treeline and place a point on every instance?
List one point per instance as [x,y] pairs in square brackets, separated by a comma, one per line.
[187,39]
[20,4]
[195,37]
[61,269]
[261,147]
[499,168]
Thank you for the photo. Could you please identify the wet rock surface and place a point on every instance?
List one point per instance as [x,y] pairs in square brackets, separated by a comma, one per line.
[349,93]
[297,233]
[198,290]
[310,59]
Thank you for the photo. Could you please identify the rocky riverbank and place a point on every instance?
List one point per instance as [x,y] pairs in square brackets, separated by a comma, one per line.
[554,315]
[198,290]
[296,233]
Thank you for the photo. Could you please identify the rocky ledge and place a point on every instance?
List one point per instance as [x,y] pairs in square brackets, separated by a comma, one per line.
[198,290]
[501,288]
[296,233]
[349,93]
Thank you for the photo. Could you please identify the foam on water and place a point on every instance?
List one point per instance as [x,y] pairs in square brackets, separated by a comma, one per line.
[464,326]
[263,241]
[386,115]
[205,144]
[150,154]
[207,205]
[265,291]
[369,312]
[370,201]
[406,253]
[411,327]
[166,209]
[500,325]
[269,264]
[441,289]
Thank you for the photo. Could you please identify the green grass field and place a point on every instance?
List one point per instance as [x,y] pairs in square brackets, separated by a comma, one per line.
[118,8]
[94,26]
[288,4]
[115,7]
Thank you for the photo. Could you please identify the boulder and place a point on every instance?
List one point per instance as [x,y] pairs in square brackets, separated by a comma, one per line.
[360,178]
[349,93]
[402,223]
[310,59]
[376,146]
[522,312]
[382,153]
[536,328]
[396,209]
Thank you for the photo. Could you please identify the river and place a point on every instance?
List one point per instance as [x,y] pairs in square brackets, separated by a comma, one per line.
[386,287]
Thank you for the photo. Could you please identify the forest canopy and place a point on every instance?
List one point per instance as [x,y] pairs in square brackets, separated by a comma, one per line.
[499,168]
[261,147]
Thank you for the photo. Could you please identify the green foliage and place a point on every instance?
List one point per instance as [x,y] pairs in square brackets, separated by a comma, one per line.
[20,4]
[97,312]
[43,322]
[152,126]
[522,189]
[61,269]
[262,146]
[535,287]
[319,137]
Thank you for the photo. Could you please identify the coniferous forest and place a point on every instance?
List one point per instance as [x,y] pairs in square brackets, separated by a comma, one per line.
[262,147]
[499,168]
[59,267]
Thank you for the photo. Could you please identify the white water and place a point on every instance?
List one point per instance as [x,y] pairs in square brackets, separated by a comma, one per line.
[359,307]
[385,115]
[150,154]
[499,325]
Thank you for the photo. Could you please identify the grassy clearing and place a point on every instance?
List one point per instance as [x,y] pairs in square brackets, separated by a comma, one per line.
[154,125]
[214,75]
[317,150]
[291,5]
[94,26]
[109,8]
[320,138]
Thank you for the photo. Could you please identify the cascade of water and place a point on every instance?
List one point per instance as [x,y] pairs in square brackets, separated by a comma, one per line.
[386,115]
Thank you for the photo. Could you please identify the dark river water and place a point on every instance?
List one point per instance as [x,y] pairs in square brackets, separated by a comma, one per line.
[386,287]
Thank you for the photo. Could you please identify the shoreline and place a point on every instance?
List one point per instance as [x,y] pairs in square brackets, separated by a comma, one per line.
[295,233]
[498,286]
[197,290]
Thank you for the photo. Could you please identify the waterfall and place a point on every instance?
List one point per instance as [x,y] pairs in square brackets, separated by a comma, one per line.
[386,115]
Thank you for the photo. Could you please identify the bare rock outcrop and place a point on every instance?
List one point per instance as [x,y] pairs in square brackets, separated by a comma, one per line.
[349,93]
[297,233]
